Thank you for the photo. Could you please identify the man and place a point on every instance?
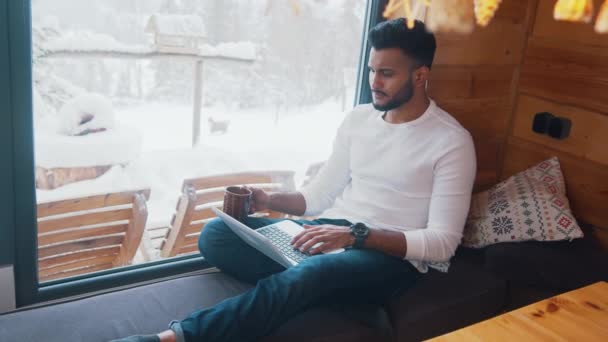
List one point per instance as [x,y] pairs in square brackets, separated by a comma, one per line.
[395,193]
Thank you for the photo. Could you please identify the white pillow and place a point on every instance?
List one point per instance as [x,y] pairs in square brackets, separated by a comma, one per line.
[531,205]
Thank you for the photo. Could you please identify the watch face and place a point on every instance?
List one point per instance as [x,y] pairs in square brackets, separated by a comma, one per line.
[360,229]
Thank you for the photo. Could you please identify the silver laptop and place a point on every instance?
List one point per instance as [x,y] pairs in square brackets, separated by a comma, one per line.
[273,240]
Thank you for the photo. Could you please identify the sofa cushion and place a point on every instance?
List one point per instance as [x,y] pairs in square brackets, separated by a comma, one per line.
[329,324]
[531,205]
[149,308]
[554,266]
[442,302]
[140,310]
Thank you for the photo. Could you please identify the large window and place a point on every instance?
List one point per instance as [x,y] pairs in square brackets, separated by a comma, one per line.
[134,97]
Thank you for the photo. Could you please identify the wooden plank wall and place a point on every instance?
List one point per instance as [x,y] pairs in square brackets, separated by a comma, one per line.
[524,62]
[565,71]
[474,78]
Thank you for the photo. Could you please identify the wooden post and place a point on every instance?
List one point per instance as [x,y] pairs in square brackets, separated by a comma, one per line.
[198,94]
[181,220]
[135,231]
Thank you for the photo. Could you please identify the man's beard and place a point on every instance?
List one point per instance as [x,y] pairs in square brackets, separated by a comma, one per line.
[403,96]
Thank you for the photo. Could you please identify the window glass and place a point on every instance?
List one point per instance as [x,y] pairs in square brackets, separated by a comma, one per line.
[133,98]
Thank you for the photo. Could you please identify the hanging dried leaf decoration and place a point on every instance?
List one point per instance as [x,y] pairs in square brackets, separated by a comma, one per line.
[392,8]
[601,23]
[451,16]
[573,10]
[403,9]
[485,10]
[295,6]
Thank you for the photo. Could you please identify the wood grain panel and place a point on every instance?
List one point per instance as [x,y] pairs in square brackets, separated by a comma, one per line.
[485,118]
[578,315]
[493,81]
[586,182]
[500,43]
[78,272]
[188,249]
[81,233]
[588,136]
[196,227]
[487,152]
[75,264]
[566,73]
[191,240]
[75,246]
[466,82]
[547,27]
[48,262]
[227,180]
[204,213]
[83,220]
[88,203]
[450,82]
[217,194]
[512,11]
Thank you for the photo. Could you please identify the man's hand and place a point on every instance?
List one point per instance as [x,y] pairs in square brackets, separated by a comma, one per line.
[292,203]
[331,237]
[260,200]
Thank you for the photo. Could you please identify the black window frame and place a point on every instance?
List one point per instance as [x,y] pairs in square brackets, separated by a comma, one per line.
[18,229]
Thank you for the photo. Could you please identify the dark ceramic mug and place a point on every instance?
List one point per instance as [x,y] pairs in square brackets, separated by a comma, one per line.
[237,201]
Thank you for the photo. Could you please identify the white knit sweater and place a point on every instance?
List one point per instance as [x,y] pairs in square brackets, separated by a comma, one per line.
[415,177]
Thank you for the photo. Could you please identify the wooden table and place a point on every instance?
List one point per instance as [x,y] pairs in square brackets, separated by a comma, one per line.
[579,315]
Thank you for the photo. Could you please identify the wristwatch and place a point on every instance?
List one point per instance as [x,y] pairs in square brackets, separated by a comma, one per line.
[360,231]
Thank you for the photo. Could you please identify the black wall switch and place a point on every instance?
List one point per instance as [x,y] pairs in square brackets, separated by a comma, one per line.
[559,128]
[541,122]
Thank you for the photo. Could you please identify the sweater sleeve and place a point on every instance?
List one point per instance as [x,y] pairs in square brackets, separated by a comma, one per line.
[453,178]
[333,177]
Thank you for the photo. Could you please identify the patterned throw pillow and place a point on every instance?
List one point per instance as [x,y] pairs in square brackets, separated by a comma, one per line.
[530,205]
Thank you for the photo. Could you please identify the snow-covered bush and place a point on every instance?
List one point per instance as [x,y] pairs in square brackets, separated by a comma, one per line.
[85,114]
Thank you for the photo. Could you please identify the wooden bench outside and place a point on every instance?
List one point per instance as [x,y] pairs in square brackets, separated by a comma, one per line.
[88,234]
[199,195]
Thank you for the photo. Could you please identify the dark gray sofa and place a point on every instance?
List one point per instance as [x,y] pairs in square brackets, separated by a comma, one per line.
[480,284]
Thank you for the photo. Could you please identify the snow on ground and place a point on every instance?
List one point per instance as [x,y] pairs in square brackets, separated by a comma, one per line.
[253,142]
[115,146]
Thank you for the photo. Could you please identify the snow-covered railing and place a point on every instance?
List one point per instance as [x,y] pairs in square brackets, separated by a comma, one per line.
[95,45]
[91,45]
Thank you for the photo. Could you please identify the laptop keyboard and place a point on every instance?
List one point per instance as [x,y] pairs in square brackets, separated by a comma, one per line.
[282,240]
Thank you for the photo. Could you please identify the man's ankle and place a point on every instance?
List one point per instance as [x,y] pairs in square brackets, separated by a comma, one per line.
[167,336]
[139,338]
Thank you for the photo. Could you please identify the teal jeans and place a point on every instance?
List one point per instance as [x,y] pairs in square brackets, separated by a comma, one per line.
[359,276]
